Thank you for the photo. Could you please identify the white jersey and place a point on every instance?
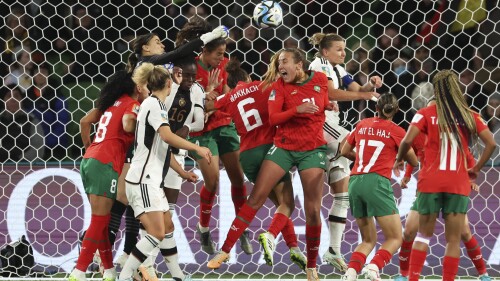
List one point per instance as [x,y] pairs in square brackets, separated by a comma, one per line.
[195,119]
[152,158]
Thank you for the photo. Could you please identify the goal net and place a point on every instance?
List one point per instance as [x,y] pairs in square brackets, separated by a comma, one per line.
[56,55]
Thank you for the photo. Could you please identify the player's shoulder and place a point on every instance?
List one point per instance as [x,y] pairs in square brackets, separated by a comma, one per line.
[340,69]
[318,62]
[318,76]
[197,88]
[153,102]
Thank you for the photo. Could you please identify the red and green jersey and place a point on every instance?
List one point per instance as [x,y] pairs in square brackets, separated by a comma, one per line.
[377,141]
[218,119]
[443,168]
[247,104]
[111,142]
[302,132]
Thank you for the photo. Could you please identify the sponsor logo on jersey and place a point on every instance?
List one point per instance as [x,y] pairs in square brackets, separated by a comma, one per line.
[182,102]
[272,96]
[317,88]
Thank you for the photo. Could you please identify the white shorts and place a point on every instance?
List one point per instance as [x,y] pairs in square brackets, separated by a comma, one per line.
[172,179]
[339,166]
[145,198]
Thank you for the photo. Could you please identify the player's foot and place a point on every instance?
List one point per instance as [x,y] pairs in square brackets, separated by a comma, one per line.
[312,274]
[350,275]
[109,274]
[207,244]
[148,273]
[245,244]
[298,258]
[216,262]
[484,277]
[335,259]
[77,275]
[121,260]
[371,272]
[402,278]
[266,239]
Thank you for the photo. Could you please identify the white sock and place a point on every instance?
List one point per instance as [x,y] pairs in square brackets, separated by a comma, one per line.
[168,250]
[338,212]
[138,255]
[203,228]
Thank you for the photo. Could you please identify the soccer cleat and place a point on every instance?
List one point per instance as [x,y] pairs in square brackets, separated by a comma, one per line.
[403,278]
[109,274]
[336,260]
[245,244]
[350,275]
[148,273]
[298,258]
[484,277]
[216,262]
[312,274]
[73,277]
[266,239]
[371,272]
[207,244]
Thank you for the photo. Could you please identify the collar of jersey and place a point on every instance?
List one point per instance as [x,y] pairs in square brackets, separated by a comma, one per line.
[207,68]
[307,80]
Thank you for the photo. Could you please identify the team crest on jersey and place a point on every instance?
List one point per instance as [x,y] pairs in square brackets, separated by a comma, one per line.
[272,96]
[317,88]
[321,155]
[164,116]
[182,102]
[136,109]
[293,92]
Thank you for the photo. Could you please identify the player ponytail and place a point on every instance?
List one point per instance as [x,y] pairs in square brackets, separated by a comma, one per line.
[155,77]
[235,73]
[137,44]
[193,29]
[272,72]
[324,41]
[453,113]
[387,106]
[118,84]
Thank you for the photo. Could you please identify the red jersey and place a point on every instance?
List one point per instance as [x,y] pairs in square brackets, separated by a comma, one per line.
[111,142]
[443,168]
[377,141]
[418,147]
[247,104]
[302,132]
[218,119]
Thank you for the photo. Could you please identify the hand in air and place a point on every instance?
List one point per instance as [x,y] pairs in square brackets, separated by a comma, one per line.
[307,107]
[177,75]
[213,80]
[221,31]
[376,81]
[404,182]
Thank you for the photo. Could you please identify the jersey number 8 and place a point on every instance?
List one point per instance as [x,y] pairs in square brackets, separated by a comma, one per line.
[103,123]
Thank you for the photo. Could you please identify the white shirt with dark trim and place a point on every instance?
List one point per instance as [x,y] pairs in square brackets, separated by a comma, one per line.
[152,158]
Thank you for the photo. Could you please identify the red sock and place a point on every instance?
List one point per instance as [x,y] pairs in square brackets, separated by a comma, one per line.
[404,257]
[289,234]
[381,258]
[313,234]
[278,223]
[417,260]
[94,236]
[450,268]
[475,255]
[105,250]
[240,224]
[206,202]
[357,261]
[239,196]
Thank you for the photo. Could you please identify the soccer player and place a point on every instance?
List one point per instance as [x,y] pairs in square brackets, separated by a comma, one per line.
[328,60]
[444,177]
[219,134]
[296,106]
[118,106]
[411,225]
[148,169]
[370,192]
[247,103]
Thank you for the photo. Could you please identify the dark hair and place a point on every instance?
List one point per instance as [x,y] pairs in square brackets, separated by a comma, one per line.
[324,41]
[235,73]
[118,84]
[214,44]
[184,61]
[193,29]
[387,105]
[137,44]
[154,76]
[298,56]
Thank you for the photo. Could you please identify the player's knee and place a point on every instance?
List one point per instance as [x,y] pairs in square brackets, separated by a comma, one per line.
[409,234]
[313,216]
[466,234]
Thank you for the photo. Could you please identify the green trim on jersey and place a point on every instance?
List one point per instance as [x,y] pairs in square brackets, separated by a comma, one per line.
[207,68]
[307,80]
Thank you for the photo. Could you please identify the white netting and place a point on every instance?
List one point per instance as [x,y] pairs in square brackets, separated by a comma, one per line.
[69,48]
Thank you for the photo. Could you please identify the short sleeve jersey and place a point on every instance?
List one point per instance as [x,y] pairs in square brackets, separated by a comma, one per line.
[111,142]
[377,141]
[443,168]
[340,78]
[152,158]
[304,131]
[247,104]
[218,119]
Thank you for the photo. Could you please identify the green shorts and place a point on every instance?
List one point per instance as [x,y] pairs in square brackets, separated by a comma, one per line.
[251,161]
[286,159]
[220,141]
[98,178]
[414,205]
[371,195]
[447,203]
